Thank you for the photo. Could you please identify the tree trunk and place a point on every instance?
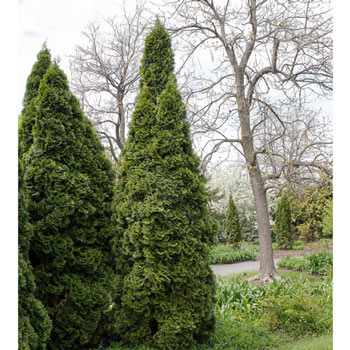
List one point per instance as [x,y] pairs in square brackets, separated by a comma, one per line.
[267,267]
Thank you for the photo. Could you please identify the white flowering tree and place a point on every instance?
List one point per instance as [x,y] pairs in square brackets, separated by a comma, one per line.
[233,178]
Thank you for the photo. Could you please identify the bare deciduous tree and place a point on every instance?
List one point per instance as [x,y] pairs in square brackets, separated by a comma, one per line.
[262,55]
[105,74]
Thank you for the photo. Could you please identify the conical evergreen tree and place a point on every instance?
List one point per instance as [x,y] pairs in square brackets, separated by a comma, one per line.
[283,228]
[25,135]
[165,291]
[70,185]
[34,325]
[232,227]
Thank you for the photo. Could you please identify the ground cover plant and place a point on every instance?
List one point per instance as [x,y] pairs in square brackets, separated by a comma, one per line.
[316,263]
[224,254]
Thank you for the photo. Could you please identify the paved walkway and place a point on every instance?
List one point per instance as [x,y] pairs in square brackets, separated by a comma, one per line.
[227,269]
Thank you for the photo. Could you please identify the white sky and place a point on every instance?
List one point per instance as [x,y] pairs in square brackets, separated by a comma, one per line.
[60,23]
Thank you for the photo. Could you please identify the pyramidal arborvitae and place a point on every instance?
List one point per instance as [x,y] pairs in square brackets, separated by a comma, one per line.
[69,181]
[165,291]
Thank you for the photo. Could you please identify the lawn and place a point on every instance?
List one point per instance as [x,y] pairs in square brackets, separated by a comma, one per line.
[321,343]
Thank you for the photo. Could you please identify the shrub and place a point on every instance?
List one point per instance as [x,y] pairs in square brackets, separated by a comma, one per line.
[165,292]
[299,314]
[223,254]
[283,223]
[69,180]
[232,228]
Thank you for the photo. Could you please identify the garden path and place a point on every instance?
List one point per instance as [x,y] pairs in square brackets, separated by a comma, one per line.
[227,269]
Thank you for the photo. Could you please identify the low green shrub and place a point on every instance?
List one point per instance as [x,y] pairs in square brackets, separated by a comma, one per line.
[298,245]
[316,263]
[223,254]
[299,314]
[232,334]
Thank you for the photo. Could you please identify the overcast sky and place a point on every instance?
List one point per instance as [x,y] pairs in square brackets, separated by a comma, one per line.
[59,23]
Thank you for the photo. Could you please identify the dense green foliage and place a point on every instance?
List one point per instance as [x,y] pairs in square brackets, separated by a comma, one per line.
[165,290]
[253,316]
[69,181]
[223,254]
[309,205]
[232,227]
[327,221]
[283,228]
[25,134]
[34,325]
[317,263]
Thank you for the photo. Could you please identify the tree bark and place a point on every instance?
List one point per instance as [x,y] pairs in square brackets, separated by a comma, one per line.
[267,269]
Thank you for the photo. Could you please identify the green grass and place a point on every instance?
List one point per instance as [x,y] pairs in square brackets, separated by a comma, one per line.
[322,343]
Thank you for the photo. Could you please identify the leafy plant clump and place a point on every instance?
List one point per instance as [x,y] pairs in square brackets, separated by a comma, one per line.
[316,263]
[299,314]
[223,254]
[165,290]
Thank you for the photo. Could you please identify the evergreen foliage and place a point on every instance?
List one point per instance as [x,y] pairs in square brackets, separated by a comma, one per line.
[309,207]
[34,324]
[163,232]
[232,227]
[25,135]
[283,227]
[327,222]
[69,181]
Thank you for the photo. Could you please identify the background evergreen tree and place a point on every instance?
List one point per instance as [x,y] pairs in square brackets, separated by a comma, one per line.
[34,324]
[165,292]
[70,185]
[283,227]
[25,134]
[232,227]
